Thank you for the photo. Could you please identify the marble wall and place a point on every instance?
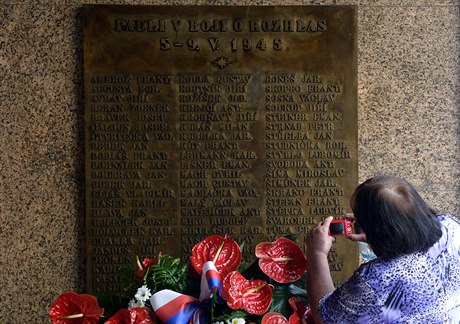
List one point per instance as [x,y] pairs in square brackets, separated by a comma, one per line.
[409,125]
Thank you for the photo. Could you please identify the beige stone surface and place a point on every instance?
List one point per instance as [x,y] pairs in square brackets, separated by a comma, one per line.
[409,125]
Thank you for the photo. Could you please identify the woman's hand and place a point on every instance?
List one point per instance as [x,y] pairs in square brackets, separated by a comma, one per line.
[357,237]
[318,240]
[319,280]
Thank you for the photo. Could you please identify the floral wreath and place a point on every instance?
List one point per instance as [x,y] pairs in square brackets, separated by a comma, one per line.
[166,290]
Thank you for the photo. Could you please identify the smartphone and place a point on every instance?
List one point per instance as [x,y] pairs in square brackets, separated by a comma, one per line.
[340,227]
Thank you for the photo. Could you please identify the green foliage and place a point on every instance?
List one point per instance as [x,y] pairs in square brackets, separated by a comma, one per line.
[254,272]
[231,315]
[128,283]
[281,295]
[168,273]
[292,236]
[296,289]
[111,304]
[280,300]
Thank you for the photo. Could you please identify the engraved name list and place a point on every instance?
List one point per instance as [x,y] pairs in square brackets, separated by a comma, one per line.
[243,123]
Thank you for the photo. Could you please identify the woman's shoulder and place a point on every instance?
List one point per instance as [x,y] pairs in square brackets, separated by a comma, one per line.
[376,269]
[450,227]
[449,220]
[450,240]
[449,243]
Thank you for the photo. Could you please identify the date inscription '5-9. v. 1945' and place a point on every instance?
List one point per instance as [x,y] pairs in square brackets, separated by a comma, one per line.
[215,120]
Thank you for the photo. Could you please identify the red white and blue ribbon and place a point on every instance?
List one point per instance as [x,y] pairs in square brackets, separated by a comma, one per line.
[175,308]
[211,281]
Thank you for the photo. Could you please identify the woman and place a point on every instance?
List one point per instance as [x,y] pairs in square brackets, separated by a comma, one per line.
[416,275]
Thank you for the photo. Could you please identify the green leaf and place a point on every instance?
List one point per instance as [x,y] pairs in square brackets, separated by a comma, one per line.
[302,285]
[111,304]
[231,315]
[281,295]
[128,282]
[127,274]
[292,236]
[242,246]
[297,291]
[254,272]
[279,303]
[168,273]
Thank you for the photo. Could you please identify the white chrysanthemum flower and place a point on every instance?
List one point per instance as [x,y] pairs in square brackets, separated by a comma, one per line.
[143,293]
[133,303]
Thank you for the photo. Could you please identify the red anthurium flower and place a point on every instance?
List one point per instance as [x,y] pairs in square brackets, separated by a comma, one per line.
[253,296]
[75,308]
[282,260]
[142,315]
[138,315]
[274,318]
[302,313]
[232,280]
[223,251]
[145,265]
[120,317]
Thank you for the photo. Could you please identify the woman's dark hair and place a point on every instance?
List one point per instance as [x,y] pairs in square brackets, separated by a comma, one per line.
[395,218]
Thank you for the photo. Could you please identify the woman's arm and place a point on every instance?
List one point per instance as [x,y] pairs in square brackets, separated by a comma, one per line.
[319,280]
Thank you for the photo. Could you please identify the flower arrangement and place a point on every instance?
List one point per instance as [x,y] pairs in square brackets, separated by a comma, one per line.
[214,287]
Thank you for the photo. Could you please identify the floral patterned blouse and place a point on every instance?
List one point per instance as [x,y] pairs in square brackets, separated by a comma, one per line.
[422,287]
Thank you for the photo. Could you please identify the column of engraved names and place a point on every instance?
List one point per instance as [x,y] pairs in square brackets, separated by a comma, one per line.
[295,138]
[151,198]
[109,122]
[214,126]
[325,123]
[330,160]
[287,140]
[119,175]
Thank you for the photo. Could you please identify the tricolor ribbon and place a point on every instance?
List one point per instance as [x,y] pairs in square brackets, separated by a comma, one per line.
[175,308]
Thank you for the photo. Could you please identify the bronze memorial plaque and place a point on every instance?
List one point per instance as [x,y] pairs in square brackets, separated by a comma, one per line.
[205,120]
